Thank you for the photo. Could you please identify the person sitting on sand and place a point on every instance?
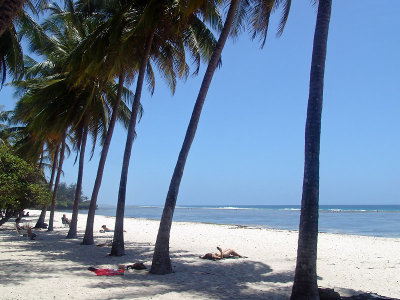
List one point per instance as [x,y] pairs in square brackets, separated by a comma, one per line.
[222,254]
[65,220]
[27,228]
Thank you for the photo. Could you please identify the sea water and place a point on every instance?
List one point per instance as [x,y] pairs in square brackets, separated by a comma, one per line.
[370,220]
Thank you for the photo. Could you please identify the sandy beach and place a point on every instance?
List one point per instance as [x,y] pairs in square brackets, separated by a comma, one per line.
[52,267]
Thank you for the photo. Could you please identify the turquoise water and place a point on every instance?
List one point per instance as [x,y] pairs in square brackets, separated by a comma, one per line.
[370,220]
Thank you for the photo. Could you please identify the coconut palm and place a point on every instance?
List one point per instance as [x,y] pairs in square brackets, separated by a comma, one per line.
[161,261]
[81,147]
[153,24]
[41,220]
[258,12]
[106,64]
[59,171]
[79,107]
[305,279]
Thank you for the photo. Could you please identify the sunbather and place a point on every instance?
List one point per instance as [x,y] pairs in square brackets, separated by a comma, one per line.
[25,227]
[106,229]
[222,254]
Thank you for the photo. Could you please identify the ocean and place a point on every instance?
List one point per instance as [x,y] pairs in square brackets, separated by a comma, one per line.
[369,220]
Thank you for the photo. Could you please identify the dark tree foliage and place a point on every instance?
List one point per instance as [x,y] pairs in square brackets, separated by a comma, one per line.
[22,185]
[65,197]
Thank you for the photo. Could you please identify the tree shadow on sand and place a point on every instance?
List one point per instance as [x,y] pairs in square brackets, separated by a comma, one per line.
[55,247]
[208,279]
[221,279]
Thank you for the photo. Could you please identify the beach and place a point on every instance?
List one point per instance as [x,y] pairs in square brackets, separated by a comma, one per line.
[52,267]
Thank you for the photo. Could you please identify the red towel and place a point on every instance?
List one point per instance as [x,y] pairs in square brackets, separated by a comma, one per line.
[108,272]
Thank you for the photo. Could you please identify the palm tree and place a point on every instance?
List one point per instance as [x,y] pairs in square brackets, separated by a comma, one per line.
[59,171]
[109,63]
[53,96]
[72,233]
[161,261]
[88,237]
[155,28]
[305,279]
[118,240]
[259,12]
[41,220]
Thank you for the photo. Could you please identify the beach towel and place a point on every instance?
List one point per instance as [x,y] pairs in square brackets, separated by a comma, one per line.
[106,272]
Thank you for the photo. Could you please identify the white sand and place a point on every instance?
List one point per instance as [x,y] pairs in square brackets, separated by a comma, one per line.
[52,267]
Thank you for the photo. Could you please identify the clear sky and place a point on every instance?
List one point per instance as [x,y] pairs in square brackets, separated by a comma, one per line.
[249,146]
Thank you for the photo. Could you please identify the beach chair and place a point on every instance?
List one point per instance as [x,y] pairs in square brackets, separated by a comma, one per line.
[21,232]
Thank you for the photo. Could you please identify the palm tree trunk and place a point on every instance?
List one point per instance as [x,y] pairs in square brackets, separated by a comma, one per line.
[59,171]
[88,237]
[161,261]
[305,280]
[72,233]
[40,221]
[8,11]
[118,248]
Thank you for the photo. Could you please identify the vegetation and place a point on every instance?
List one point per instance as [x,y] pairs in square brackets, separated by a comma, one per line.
[66,195]
[22,185]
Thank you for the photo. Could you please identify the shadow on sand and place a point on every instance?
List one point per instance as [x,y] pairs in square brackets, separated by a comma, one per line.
[221,279]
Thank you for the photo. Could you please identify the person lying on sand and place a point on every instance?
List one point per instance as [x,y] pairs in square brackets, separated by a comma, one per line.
[25,227]
[222,254]
[106,229]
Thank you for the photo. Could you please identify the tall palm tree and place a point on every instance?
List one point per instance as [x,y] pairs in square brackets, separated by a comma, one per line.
[305,279]
[108,62]
[59,171]
[41,220]
[81,107]
[118,248]
[88,237]
[72,232]
[161,261]
[155,28]
[258,12]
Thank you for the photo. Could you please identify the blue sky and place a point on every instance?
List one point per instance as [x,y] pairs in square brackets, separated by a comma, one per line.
[249,147]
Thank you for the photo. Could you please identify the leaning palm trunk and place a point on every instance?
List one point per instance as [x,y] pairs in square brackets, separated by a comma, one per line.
[88,238]
[161,261]
[40,221]
[118,248]
[72,233]
[59,171]
[8,11]
[305,280]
